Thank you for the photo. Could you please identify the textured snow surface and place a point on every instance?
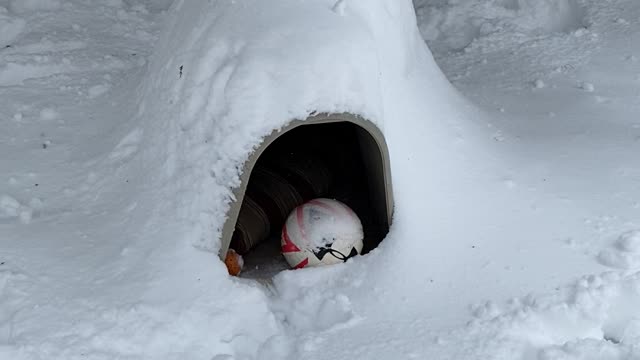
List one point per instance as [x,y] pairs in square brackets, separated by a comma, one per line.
[125,125]
[455,24]
[10,27]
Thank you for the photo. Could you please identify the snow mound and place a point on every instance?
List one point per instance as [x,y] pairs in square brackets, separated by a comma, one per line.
[218,85]
[625,252]
[453,25]
[226,74]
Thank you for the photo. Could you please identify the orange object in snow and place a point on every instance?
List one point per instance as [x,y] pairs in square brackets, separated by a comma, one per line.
[234,262]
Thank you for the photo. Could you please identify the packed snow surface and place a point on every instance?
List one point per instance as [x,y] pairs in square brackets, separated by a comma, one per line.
[513,153]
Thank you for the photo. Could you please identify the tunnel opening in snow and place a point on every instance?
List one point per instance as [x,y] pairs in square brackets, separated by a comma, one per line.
[338,156]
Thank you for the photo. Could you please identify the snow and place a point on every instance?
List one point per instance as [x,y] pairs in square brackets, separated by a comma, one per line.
[10,27]
[23,6]
[322,222]
[97,90]
[454,25]
[588,87]
[9,206]
[513,157]
[625,253]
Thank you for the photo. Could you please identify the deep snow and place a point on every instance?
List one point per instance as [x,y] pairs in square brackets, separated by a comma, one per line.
[515,232]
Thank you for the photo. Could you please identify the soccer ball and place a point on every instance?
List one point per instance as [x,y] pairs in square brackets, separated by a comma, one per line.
[321,232]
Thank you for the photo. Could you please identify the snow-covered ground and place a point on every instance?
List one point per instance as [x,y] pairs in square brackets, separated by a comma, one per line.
[516,234]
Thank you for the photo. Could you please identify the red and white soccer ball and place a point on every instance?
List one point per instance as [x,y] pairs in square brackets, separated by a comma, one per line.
[321,232]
